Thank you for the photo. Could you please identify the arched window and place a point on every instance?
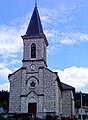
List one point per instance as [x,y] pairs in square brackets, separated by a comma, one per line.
[33,50]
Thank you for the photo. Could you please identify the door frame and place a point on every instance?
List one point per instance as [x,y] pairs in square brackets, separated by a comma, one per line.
[32,110]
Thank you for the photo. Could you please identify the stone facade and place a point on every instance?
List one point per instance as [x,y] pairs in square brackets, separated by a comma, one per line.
[34,88]
[67,102]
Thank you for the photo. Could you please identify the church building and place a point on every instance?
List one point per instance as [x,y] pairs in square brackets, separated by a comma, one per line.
[34,88]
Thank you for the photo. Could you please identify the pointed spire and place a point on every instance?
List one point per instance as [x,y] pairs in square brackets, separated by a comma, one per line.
[35,26]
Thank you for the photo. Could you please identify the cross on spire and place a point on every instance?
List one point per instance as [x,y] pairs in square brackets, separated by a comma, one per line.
[35,2]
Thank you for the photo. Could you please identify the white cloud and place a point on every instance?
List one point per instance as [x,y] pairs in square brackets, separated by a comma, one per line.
[76,77]
[4,82]
[5,86]
[15,61]
[59,39]
[10,41]
[3,65]
[67,38]
[57,15]
[4,74]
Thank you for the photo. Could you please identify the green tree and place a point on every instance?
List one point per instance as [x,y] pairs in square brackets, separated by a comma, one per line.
[5,105]
[4,99]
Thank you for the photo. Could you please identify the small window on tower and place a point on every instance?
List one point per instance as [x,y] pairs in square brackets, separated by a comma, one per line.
[33,50]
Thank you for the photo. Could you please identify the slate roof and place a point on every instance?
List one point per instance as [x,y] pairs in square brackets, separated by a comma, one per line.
[67,87]
[35,26]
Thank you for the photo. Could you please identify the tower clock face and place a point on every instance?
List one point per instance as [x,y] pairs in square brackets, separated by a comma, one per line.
[32,67]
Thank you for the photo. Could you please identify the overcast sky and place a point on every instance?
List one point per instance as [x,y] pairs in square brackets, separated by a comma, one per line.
[65,23]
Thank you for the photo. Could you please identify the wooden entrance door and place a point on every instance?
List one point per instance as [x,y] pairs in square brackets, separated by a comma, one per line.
[32,108]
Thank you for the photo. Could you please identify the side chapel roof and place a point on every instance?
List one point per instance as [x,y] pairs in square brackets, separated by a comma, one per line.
[67,87]
[64,86]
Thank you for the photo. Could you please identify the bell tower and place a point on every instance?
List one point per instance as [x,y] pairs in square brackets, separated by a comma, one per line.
[34,43]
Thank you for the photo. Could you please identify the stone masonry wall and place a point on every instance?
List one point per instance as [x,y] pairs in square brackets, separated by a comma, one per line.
[58,100]
[66,103]
[23,92]
[15,92]
[49,91]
